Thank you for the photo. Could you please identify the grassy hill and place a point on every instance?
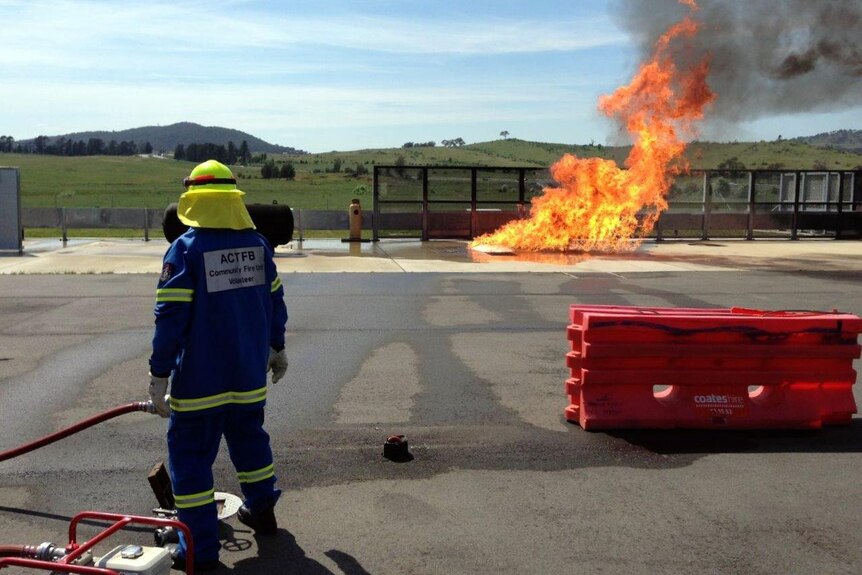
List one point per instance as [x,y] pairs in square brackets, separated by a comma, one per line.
[110,181]
[850,140]
[501,153]
[786,154]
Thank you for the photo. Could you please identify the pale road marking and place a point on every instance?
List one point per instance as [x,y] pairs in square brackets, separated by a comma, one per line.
[384,389]
[14,496]
[22,353]
[457,311]
[14,524]
[112,388]
[525,373]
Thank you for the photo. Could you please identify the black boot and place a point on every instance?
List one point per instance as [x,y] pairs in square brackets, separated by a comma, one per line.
[263,522]
[179,563]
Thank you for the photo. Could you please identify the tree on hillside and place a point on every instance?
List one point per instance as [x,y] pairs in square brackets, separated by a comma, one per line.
[201,152]
[40,143]
[732,163]
[505,134]
[127,148]
[400,162]
[95,147]
[267,169]
[55,149]
[62,146]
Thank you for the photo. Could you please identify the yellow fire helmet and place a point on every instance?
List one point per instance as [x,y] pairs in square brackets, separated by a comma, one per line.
[212,200]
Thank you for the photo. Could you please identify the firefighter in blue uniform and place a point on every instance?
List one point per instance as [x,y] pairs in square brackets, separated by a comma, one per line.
[219,328]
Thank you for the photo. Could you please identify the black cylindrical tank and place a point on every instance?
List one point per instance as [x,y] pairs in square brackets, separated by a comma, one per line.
[273,221]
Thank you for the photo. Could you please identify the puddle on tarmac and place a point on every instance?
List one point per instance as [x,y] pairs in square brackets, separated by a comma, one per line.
[509,255]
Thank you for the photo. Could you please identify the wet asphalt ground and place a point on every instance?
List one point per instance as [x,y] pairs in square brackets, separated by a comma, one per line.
[469,365]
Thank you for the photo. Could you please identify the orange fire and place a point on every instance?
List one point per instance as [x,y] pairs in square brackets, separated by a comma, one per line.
[600,207]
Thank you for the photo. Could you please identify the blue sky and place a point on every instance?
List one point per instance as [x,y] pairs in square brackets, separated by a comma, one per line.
[328,75]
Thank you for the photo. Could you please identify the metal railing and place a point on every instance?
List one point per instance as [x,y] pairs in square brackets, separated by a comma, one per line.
[429,202]
[463,202]
[451,202]
[65,219]
[149,219]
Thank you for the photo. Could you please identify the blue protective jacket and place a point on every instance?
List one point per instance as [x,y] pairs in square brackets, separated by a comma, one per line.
[219,308]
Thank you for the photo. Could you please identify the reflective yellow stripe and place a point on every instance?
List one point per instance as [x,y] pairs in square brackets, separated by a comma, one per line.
[195,499]
[276,283]
[174,294]
[197,404]
[256,475]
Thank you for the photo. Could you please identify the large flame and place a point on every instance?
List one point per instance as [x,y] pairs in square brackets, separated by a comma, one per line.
[600,206]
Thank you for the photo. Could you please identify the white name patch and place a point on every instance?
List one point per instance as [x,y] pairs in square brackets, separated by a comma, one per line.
[233,269]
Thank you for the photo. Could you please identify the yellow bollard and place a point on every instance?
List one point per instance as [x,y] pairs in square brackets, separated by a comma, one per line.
[355,220]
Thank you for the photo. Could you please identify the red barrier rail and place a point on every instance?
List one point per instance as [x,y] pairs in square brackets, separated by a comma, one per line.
[710,368]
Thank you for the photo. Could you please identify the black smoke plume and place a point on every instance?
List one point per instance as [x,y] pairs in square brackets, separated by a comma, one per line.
[768,57]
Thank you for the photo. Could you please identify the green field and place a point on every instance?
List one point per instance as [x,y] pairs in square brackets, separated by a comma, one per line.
[110,181]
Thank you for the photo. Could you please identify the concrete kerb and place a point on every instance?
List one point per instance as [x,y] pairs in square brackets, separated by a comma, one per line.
[105,256]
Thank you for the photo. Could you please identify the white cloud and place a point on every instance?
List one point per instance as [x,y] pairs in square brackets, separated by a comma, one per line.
[89,25]
[83,65]
[303,105]
[297,115]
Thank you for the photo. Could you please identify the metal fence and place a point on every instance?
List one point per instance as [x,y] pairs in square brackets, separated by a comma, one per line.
[149,219]
[65,219]
[430,202]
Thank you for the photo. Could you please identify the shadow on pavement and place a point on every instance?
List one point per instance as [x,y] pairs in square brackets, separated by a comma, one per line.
[282,554]
[844,439]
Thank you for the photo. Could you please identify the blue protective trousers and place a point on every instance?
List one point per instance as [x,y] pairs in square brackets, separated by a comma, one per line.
[193,443]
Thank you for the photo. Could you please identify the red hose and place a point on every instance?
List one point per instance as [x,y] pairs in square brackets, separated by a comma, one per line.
[12,550]
[55,567]
[26,448]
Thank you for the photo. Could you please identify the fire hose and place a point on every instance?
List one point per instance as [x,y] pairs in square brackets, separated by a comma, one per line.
[146,406]
[78,558]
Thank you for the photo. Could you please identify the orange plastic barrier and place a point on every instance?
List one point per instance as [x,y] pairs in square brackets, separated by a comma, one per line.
[736,368]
